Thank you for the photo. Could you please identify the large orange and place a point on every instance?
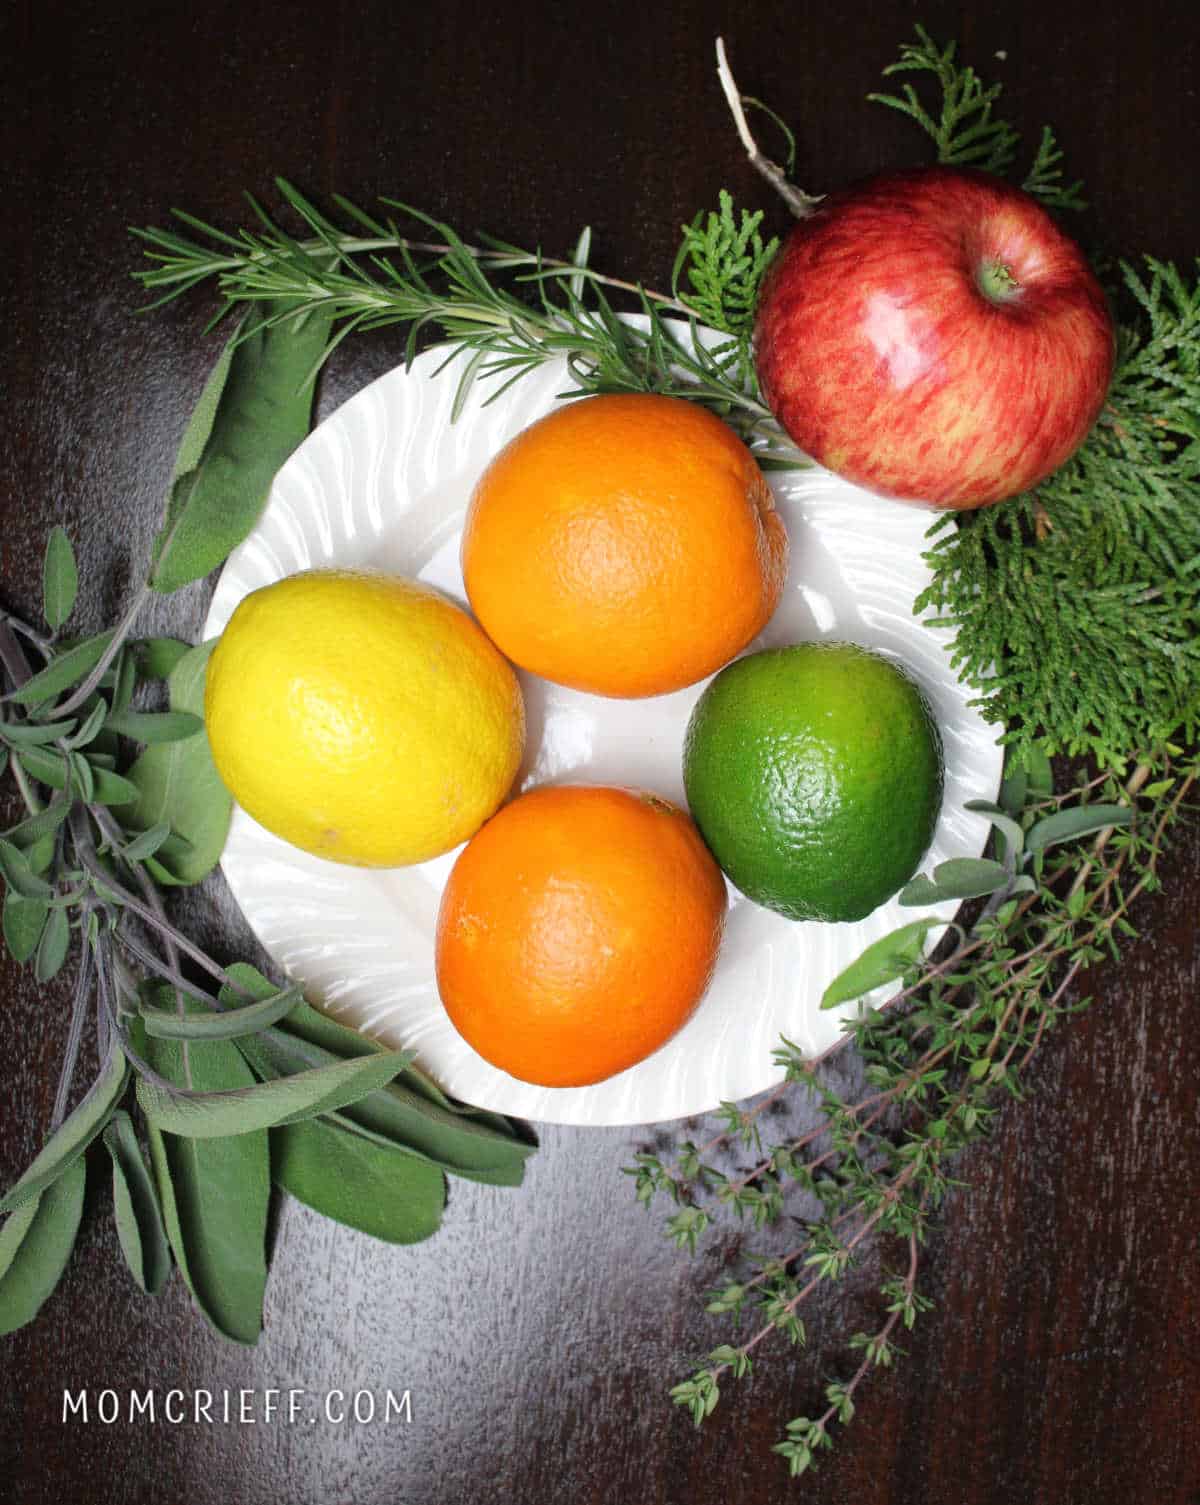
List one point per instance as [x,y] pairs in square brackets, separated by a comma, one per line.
[626,545]
[578,931]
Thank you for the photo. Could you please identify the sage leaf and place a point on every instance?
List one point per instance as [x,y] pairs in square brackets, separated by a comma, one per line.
[319,1029]
[83,780]
[155,726]
[111,788]
[44,823]
[254,410]
[165,1025]
[883,961]
[396,1115]
[135,1207]
[147,843]
[53,945]
[49,768]
[24,920]
[92,726]
[60,578]
[39,855]
[1068,825]
[1038,771]
[13,1232]
[920,890]
[334,1039]
[124,681]
[265,1104]
[1014,788]
[177,783]
[63,671]
[340,1041]
[1012,831]
[374,1188]
[958,878]
[156,657]
[213,1192]
[970,877]
[74,1134]
[411,1112]
[19,875]
[35,1244]
[35,733]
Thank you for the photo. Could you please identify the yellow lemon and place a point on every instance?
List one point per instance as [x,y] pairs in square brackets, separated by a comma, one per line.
[362,717]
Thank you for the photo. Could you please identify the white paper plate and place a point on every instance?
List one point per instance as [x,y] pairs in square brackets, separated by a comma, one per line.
[384,482]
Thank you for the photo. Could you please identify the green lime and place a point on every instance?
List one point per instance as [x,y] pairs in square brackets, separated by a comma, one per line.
[815,775]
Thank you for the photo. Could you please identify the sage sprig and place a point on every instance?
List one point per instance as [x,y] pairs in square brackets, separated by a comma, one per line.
[121,797]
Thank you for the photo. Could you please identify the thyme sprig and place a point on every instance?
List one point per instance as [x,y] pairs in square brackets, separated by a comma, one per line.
[875,1164]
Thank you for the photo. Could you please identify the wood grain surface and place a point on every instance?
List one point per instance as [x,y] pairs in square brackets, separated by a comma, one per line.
[539,1332]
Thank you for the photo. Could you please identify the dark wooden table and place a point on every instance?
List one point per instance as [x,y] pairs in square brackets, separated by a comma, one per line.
[539,1332]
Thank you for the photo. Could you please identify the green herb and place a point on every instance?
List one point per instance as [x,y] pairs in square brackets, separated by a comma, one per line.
[354,1180]
[122,796]
[724,260]
[1076,605]
[253,412]
[60,579]
[959,1031]
[35,1244]
[179,794]
[1079,644]
[1102,557]
[502,311]
[964,131]
[213,1192]
[136,1207]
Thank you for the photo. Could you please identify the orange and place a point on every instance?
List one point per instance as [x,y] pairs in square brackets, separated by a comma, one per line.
[578,931]
[625,545]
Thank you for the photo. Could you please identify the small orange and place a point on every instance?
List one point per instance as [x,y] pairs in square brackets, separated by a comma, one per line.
[626,545]
[578,931]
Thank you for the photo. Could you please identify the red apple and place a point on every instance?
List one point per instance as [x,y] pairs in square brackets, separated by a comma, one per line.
[934,336]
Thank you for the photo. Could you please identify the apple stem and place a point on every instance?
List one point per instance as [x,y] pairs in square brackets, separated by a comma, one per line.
[997,283]
[800,203]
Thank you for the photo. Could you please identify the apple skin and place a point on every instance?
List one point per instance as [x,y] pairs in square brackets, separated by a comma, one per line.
[884,356]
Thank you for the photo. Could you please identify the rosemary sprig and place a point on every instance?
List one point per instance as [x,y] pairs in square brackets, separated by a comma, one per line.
[502,311]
